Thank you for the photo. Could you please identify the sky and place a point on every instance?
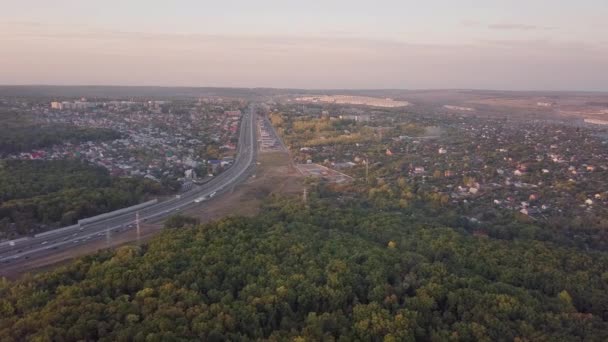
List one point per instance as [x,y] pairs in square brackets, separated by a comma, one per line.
[348,44]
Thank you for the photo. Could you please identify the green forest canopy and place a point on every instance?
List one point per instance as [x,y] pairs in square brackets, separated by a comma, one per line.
[327,272]
[36,195]
[19,132]
[21,139]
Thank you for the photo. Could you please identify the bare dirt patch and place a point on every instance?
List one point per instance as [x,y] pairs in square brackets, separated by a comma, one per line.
[274,174]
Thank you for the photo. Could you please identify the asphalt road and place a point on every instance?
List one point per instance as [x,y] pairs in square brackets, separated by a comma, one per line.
[62,239]
[271,130]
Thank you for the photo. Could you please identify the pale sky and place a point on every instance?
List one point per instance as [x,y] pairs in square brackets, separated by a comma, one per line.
[481,44]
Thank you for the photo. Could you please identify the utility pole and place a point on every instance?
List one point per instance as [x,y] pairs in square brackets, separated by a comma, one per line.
[137,227]
[305,195]
[366,170]
[108,237]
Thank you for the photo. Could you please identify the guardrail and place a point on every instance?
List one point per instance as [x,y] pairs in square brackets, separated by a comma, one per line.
[116,212]
[112,214]
[58,230]
[82,222]
[16,241]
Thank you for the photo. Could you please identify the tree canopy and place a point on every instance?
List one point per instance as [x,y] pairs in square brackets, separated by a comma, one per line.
[326,271]
[37,195]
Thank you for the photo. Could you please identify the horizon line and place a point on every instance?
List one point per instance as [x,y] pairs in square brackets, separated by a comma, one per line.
[304,89]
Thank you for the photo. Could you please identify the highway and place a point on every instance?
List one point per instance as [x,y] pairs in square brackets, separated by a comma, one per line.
[65,238]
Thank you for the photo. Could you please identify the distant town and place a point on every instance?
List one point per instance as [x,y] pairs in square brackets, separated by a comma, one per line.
[353,100]
[545,170]
[187,141]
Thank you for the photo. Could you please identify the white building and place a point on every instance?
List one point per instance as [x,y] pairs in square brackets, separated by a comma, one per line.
[596,122]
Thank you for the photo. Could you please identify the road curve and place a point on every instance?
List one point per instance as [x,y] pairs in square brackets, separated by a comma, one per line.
[62,239]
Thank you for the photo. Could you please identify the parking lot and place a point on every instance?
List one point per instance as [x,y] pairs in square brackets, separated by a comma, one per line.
[316,170]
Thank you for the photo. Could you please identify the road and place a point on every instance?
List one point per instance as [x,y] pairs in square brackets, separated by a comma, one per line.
[271,130]
[62,239]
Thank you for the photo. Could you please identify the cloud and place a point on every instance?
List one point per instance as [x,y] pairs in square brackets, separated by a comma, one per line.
[84,55]
[549,46]
[41,34]
[504,26]
[470,23]
[517,27]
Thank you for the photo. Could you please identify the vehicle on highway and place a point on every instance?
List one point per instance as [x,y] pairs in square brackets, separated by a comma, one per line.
[123,221]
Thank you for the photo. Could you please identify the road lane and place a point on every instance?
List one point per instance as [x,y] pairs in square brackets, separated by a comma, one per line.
[43,246]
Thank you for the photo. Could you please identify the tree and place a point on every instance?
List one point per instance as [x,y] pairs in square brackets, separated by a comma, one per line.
[180,221]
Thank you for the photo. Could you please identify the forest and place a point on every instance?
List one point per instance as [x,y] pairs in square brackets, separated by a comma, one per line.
[37,195]
[19,132]
[20,139]
[333,270]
